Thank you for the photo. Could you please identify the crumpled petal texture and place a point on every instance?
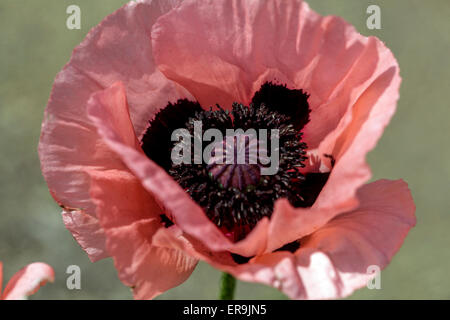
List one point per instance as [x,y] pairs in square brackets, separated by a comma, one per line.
[150,53]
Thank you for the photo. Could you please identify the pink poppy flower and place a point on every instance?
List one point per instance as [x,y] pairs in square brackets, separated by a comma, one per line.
[311,230]
[27,281]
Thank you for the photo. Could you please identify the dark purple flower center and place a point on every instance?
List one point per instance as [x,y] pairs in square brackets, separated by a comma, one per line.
[236,195]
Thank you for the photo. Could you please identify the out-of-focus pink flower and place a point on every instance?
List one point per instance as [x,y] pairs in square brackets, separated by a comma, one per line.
[27,281]
[105,164]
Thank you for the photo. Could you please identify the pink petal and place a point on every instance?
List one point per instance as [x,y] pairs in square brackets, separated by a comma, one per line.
[258,41]
[356,135]
[333,261]
[369,235]
[128,214]
[28,281]
[108,110]
[119,48]
[220,50]
[255,242]
[130,217]
[353,82]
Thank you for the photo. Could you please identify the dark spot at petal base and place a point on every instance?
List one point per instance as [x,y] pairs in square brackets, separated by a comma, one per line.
[240,259]
[165,221]
[291,247]
[309,189]
[290,102]
[156,142]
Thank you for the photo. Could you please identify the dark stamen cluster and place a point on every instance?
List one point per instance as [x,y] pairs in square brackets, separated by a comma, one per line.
[233,208]
[237,197]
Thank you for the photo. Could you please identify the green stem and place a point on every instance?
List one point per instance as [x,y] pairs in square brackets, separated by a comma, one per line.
[227,286]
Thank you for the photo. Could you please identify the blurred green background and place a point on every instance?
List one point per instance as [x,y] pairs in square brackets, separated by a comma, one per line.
[34,46]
